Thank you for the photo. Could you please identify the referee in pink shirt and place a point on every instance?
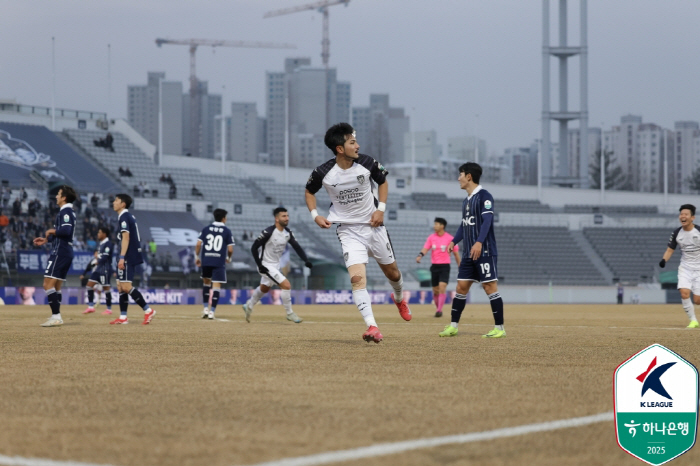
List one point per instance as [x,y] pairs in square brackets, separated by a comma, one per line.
[437,243]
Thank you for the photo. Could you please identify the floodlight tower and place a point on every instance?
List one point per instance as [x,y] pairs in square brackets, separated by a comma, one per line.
[563,52]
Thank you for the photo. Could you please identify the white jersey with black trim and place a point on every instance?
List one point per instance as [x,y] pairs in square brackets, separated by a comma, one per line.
[689,241]
[350,190]
[273,243]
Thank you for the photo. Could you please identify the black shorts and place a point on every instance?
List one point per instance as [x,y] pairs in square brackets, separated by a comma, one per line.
[217,274]
[482,270]
[101,276]
[440,273]
[58,266]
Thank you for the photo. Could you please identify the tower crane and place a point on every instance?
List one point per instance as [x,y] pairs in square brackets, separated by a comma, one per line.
[322,7]
[195,117]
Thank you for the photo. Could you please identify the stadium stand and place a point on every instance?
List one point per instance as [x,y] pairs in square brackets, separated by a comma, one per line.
[611,209]
[632,253]
[440,202]
[144,170]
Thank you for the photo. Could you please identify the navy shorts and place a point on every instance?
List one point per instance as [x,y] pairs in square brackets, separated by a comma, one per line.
[127,275]
[481,270]
[439,273]
[217,274]
[58,266]
[101,276]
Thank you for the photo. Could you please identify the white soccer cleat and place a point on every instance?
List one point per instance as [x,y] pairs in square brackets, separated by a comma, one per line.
[53,322]
[294,318]
[205,313]
[210,315]
[248,309]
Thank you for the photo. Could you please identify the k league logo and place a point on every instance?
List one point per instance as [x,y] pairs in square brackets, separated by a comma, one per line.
[656,405]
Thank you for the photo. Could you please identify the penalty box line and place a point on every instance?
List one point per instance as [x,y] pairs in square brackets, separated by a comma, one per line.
[384,449]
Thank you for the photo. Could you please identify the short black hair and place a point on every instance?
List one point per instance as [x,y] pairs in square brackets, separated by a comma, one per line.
[441,220]
[105,230]
[473,169]
[690,207]
[278,210]
[336,135]
[68,192]
[125,198]
[220,214]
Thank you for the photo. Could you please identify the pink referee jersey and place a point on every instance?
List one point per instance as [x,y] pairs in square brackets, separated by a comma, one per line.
[438,247]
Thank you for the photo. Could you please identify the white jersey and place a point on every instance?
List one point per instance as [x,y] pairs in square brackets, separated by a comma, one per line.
[689,241]
[273,243]
[350,190]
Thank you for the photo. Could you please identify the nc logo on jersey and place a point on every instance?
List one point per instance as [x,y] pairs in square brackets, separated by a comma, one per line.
[487,204]
[361,179]
[656,405]
[468,221]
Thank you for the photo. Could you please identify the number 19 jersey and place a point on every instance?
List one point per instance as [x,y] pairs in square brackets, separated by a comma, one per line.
[215,241]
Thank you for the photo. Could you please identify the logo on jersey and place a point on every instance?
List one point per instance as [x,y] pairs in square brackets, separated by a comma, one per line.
[361,179]
[123,224]
[469,221]
[388,247]
[66,218]
[345,256]
[487,204]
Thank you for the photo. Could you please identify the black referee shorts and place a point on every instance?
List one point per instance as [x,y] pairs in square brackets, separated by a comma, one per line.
[440,273]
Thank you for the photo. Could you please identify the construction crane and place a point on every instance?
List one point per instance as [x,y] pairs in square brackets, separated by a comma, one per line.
[195,117]
[322,7]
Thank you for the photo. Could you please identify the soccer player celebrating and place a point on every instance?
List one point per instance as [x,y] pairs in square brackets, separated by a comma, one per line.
[218,251]
[101,273]
[348,179]
[273,241]
[61,255]
[440,270]
[129,259]
[479,254]
[687,236]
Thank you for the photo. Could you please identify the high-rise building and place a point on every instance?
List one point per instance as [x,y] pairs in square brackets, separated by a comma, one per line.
[143,107]
[242,138]
[523,164]
[686,155]
[424,143]
[210,108]
[381,128]
[467,148]
[579,164]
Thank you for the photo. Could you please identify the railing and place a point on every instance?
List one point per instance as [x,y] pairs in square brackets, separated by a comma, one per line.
[60,112]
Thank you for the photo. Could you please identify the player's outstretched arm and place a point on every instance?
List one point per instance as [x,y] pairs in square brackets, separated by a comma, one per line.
[377,218]
[320,220]
[197,249]
[230,253]
[298,249]
[667,256]
[422,253]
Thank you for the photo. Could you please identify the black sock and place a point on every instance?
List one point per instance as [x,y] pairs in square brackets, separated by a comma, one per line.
[91,296]
[52,297]
[497,307]
[205,295]
[123,303]
[108,298]
[458,306]
[214,299]
[138,297]
[60,296]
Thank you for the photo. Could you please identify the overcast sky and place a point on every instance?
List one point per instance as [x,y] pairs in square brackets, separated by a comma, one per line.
[444,61]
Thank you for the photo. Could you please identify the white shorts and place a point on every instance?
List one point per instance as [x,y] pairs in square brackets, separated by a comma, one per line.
[272,277]
[361,241]
[689,279]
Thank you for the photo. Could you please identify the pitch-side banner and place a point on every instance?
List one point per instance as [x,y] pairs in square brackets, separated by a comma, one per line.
[35,261]
[30,295]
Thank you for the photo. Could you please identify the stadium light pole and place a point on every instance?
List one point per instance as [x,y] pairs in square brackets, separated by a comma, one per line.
[109,80]
[602,165]
[413,155]
[539,170]
[476,138]
[160,121]
[286,129]
[53,84]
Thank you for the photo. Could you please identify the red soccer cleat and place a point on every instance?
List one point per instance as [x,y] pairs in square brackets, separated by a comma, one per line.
[403,309]
[147,317]
[89,310]
[372,334]
[119,321]
[107,312]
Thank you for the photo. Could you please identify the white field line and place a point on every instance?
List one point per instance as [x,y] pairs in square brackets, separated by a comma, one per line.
[384,449]
[19,461]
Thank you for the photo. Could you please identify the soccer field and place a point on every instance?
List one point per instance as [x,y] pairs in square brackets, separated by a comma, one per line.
[187,391]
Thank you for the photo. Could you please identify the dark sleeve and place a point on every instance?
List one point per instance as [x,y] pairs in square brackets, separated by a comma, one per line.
[376,170]
[89,267]
[259,241]
[315,181]
[105,256]
[485,227]
[487,204]
[202,236]
[297,247]
[459,236]
[672,243]
[65,227]
[229,237]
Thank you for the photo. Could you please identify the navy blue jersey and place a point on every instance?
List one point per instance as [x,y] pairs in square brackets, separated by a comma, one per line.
[477,223]
[127,223]
[104,257]
[65,229]
[215,241]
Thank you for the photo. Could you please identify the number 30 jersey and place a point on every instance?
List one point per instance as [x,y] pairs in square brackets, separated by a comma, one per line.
[215,241]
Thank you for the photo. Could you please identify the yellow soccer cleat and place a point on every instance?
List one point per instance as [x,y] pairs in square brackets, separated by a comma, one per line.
[449,331]
[495,333]
[693,324]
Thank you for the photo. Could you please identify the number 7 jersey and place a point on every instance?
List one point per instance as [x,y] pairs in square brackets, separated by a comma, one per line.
[215,239]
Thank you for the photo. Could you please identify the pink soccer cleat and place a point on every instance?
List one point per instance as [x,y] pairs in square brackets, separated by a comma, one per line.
[119,321]
[89,310]
[372,334]
[147,317]
[403,309]
[107,312]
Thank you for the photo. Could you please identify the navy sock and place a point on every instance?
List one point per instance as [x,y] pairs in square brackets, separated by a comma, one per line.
[458,306]
[205,294]
[52,297]
[214,300]
[60,296]
[91,297]
[123,303]
[138,297]
[108,298]
[497,307]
